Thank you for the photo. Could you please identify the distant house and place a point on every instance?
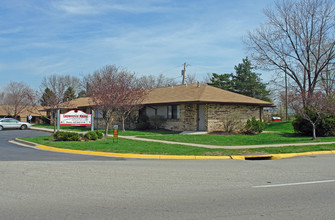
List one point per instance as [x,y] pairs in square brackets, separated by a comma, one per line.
[191,107]
[35,111]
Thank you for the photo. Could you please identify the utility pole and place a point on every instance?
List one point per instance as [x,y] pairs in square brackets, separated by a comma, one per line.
[183,73]
[286,98]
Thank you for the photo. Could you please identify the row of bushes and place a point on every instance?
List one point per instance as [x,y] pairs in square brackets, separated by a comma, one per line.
[73,136]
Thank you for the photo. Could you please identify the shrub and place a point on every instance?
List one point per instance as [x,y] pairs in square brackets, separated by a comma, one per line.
[328,126]
[231,122]
[303,126]
[254,126]
[66,136]
[100,134]
[142,122]
[324,128]
[157,121]
[91,135]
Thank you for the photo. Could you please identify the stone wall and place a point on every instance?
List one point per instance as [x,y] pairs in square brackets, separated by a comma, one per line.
[188,119]
[219,116]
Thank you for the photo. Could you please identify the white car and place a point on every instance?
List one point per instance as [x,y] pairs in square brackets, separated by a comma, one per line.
[13,123]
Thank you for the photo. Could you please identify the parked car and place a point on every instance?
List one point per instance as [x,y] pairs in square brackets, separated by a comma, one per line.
[13,123]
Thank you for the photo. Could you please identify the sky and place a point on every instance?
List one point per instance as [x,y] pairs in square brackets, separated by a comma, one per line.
[148,37]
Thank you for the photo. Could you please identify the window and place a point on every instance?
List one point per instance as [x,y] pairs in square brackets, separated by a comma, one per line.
[173,111]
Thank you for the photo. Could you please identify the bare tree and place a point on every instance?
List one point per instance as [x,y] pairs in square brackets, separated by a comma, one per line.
[151,81]
[298,37]
[191,78]
[134,97]
[53,88]
[328,81]
[112,90]
[17,96]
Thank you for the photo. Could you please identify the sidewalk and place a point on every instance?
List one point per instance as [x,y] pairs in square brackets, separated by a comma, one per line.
[204,145]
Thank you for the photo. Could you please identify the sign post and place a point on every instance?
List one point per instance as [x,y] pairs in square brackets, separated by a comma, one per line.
[58,114]
[115,133]
[92,120]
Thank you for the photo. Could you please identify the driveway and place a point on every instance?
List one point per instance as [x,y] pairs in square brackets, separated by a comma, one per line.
[12,152]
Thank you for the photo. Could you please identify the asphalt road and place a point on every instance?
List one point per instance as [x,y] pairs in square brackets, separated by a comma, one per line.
[296,188]
[12,152]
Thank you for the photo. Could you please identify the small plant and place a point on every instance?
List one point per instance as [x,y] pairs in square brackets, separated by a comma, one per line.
[157,121]
[231,122]
[91,135]
[66,136]
[254,126]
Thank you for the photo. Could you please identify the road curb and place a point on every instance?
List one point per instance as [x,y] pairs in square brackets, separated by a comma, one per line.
[173,157]
[31,144]
[125,155]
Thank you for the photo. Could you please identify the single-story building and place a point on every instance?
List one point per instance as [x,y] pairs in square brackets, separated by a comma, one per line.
[196,107]
[35,111]
[191,107]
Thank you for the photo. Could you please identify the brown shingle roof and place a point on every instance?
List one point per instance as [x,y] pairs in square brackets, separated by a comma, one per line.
[76,103]
[29,110]
[201,94]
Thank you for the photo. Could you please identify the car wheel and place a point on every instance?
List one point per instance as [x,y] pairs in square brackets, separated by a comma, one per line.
[23,127]
[1,128]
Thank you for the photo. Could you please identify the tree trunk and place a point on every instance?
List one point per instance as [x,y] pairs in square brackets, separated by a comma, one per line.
[314,132]
[54,119]
[123,119]
[106,129]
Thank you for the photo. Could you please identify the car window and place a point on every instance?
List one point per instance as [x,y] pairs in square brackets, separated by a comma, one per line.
[6,120]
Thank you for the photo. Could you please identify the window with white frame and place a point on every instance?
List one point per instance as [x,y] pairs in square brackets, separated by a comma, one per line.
[173,111]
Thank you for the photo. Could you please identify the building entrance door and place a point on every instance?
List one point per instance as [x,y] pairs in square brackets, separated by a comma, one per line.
[202,118]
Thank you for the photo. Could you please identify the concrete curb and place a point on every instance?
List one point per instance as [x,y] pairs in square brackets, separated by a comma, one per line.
[174,157]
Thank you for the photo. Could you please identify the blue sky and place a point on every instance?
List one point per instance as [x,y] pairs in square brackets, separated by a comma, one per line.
[77,37]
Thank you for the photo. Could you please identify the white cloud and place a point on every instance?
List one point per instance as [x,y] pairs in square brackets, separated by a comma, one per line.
[85,7]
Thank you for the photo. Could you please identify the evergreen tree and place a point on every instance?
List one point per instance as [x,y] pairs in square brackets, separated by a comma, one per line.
[244,81]
[223,81]
[69,95]
[48,98]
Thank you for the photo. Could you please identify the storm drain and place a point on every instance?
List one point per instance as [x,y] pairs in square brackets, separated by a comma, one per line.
[257,157]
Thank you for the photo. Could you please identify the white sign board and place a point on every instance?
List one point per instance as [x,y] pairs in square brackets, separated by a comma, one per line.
[75,118]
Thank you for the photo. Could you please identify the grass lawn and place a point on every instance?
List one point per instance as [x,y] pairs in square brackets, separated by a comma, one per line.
[142,147]
[238,140]
[280,126]
[282,133]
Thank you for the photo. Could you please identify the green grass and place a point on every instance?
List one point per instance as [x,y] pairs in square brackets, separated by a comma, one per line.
[280,126]
[142,147]
[238,140]
[283,133]
[139,133]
